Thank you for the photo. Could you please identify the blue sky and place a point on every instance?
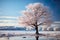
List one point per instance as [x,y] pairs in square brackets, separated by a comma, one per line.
[13,7]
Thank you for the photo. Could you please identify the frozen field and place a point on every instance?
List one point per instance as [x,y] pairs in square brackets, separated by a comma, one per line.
[29,37]
[24,32]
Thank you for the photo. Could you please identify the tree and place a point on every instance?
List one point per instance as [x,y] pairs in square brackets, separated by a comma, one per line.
[36,14]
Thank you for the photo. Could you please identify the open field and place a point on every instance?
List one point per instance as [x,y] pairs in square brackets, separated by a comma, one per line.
[24,32]
[24,35]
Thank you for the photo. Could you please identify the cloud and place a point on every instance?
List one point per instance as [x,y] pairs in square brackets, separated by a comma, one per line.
[8,21]
[9,17]
[8,24]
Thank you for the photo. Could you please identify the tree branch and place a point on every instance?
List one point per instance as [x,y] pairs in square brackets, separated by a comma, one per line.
[40,24]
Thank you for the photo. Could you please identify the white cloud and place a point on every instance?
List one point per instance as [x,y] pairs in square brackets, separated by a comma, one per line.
[9,17]
[57,22]
[8,24]
[8,21]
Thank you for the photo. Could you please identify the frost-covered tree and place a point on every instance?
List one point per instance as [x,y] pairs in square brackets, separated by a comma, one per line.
[34,15]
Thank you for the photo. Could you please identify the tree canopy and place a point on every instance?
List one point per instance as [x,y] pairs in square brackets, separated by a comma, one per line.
[35,13]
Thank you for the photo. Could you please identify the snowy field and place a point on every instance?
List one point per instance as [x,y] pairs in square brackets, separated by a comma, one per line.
[29,32]
[29,37]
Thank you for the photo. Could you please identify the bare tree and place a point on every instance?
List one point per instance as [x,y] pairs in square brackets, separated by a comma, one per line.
[36,14]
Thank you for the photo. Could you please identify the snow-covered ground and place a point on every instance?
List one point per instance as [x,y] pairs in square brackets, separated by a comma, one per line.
[24,32]
[27,37]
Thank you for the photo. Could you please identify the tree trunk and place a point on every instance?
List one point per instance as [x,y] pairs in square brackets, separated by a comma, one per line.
[36,28]
[37,38]
[37,33]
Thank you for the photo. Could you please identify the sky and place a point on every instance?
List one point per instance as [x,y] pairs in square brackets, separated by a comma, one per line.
[10,9]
